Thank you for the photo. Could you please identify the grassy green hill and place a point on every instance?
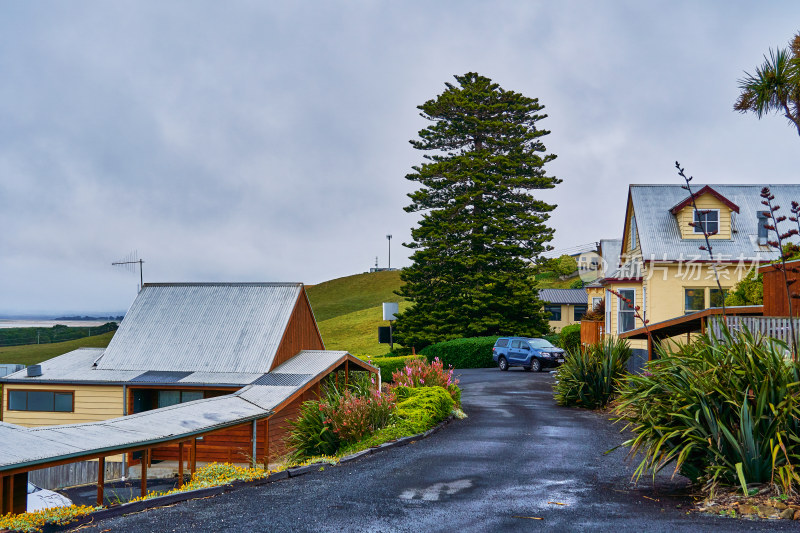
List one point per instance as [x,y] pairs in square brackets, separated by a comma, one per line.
[348,310]
[36,353]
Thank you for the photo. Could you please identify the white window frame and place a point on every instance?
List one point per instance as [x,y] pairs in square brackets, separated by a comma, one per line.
[699,230]
[608,311]
[620,310]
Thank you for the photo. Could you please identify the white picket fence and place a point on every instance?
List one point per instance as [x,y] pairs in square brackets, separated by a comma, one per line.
[767,326]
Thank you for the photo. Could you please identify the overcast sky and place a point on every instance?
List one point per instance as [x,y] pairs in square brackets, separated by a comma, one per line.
[266,141]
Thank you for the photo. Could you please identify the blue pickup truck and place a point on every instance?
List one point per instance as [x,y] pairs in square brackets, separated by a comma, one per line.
[530,354]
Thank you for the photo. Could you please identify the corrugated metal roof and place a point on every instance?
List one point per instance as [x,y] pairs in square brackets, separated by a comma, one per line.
[660,236]
[22,447]
[203,327]
[310,362]
[564,296]
[266,397]
[283,380]
[160,376]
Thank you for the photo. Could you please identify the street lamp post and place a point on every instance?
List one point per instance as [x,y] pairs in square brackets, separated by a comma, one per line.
[389,238]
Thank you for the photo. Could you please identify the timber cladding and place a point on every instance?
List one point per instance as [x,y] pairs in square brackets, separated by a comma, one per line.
[91,403]
[234,445]
[775,302]
[301,333]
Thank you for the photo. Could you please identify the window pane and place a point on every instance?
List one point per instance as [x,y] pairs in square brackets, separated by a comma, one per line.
[515,344]
[168,397]
[16,400]
[63,402]
[717,298]
[630,294]
[580,310]
[502,343]
[40,401]
[708,220]
[626,321]
[695,299]
[554,310]
[190,396]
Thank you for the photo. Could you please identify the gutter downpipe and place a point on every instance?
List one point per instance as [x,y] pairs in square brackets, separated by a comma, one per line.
[124,413]
[254,439]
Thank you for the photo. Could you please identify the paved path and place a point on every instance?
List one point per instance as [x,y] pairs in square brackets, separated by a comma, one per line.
[495,471]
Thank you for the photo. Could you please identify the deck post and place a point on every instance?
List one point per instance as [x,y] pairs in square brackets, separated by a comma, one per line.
[254,442]
[346,372]
[101,479]
[266,444]
[180,464]
[145,461]
[193,455]
[2,496]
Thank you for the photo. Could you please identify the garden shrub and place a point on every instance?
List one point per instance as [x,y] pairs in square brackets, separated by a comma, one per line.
[722,411]
[423,407]
[36,520]
[475,352]
[570,337]
[310,435]
[590,377]
[389,365]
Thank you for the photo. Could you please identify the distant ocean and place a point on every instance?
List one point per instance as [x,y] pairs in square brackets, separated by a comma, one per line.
[37,323]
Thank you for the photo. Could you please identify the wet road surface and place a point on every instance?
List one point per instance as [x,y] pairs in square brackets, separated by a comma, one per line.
[518,463]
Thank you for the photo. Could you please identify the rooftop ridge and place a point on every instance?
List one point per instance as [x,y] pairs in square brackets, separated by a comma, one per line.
[227,284]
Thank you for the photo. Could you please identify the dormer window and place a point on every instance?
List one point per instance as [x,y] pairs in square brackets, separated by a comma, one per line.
[706,221]
[763,234]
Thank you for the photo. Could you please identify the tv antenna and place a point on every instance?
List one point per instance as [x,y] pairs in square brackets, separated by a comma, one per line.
[129,262]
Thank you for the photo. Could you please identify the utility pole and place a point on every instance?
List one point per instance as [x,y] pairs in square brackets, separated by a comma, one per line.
[389,238]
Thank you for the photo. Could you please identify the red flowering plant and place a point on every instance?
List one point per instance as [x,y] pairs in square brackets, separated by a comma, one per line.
[352,417]
[420,373]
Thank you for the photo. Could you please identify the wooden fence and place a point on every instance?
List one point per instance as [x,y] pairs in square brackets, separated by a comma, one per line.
[591,331]
[71,474]
[767,326]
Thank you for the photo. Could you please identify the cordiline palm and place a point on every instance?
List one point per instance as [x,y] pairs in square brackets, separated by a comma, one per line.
[775,86]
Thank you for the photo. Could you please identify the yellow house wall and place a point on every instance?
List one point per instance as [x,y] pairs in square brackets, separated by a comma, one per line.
[92,403]
[614,301]
[567,315]
[593,292]
[665,297]
[706,201]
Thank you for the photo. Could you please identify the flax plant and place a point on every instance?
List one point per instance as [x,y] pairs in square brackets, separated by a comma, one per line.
[590,376]
[721,410]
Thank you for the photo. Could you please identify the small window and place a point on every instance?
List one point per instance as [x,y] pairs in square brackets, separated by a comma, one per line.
[515,344]
[580,310]
[695,300]
[763,233]
[44,401]
[555,312]
[626,312]
[717,298]
[708,219]
[502,343]
[168,397]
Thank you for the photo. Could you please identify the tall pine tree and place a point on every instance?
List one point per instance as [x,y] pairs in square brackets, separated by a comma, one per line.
[481,227]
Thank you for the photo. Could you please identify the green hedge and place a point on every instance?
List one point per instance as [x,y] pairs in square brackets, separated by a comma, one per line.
[390,364]
[475,352]
[570,337]
[422,408]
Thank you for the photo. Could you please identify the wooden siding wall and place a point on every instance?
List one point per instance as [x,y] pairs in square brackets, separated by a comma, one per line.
[775,302]
[301,333]
[591,331]
[233,445]
[92,404]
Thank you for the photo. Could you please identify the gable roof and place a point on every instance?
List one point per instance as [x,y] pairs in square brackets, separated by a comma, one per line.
[563,296]
[705,190]
[660,237]
[202,327]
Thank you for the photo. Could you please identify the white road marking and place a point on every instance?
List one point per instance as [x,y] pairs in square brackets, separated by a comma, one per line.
[434,492]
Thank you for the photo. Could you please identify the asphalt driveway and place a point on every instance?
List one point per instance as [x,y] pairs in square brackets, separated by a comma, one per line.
[518,463]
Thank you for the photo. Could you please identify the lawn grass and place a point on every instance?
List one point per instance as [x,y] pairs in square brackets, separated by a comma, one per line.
[359,292]
[32,354]
[356,332]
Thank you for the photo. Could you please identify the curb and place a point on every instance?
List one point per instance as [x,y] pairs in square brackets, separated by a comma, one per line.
[170,499]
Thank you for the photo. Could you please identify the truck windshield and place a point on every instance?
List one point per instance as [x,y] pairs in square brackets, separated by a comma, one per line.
[540,343]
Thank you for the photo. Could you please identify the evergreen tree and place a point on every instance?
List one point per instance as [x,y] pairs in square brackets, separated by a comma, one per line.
[481,228]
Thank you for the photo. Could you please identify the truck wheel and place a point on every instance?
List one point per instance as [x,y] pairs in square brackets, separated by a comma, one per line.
[502,363]
[536,365]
